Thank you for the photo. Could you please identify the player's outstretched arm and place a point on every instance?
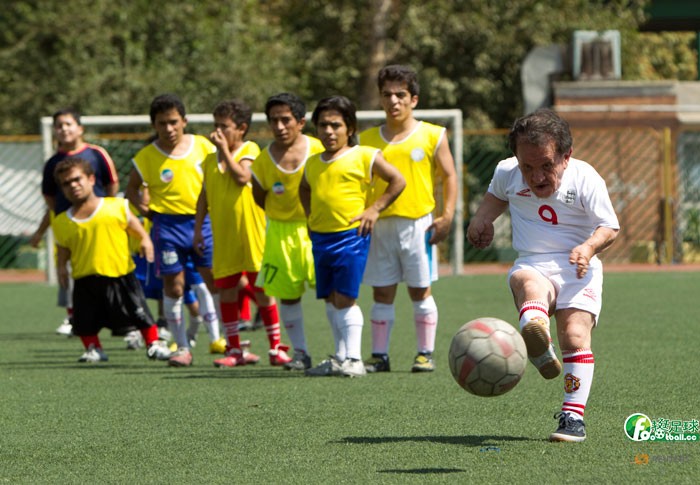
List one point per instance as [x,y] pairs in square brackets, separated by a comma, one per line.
[396,184]
[480,231]
[445,165]
[600,240]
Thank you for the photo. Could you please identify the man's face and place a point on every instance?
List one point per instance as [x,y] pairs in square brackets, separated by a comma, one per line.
[232,132]
[67,130]
[77,186]
[170,127]
[332,130]
[285,127]
[542,167]
[397,101]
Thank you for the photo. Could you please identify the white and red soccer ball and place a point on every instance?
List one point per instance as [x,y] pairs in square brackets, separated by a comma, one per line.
[487,357]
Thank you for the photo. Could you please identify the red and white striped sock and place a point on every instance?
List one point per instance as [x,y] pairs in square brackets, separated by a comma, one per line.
[271,320]
[534,309]
[229,315]
[578,377]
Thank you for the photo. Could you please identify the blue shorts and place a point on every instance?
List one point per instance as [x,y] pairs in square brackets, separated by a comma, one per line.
[153,286]
[339,260]
[172,238]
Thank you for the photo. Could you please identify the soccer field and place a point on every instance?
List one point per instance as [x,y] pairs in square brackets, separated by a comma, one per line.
[131,420]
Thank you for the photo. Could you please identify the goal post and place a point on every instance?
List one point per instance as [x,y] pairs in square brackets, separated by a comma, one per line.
[103,125]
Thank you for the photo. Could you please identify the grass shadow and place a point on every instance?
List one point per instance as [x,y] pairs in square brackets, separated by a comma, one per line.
[467,440]
[237,374]
[424,471]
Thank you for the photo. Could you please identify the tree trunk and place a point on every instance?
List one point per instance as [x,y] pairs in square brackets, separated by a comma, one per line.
[369,99]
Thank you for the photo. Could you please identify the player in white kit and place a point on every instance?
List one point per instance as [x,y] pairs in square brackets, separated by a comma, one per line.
[561,216]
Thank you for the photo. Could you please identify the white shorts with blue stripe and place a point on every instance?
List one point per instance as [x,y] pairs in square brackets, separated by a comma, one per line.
[399,251]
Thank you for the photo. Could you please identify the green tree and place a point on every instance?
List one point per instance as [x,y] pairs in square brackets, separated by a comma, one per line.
[107,57]
[113,56]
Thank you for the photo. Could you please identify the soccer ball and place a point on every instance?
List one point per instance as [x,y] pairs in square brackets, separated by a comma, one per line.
[487,357]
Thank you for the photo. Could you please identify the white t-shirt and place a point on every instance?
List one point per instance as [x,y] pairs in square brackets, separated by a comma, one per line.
[560,222]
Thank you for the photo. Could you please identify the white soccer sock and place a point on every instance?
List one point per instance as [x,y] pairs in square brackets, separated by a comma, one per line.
[207,308]
[172,310]
[195,322]
[425,315]
[382,318]
[217,306]
[293,318]
[534,309]
[578,377]
[350,322]
[331,313]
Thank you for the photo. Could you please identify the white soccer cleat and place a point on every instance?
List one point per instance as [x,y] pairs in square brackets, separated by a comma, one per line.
[158,350]
[329,367]
[353,368]
[93,355]
[134,340]
[65,328]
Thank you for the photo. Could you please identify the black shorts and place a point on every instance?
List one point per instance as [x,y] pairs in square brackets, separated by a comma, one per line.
[115,303]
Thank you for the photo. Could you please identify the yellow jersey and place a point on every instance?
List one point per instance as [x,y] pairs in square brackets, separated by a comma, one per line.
[174,182]
[339,188]
[237,223]
[282,200]
[99,245]
[414,157]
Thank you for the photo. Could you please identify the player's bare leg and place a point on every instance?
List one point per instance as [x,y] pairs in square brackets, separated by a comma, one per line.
[534,295]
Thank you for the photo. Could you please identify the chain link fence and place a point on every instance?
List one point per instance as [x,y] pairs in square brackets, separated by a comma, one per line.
[656,196]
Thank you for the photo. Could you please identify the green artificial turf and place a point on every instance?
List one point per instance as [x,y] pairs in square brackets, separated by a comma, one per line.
[131,420]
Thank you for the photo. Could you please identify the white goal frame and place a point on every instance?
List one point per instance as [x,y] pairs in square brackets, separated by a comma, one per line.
[451,117]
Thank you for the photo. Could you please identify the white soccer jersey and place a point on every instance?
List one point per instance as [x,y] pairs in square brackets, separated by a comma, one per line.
[560,222]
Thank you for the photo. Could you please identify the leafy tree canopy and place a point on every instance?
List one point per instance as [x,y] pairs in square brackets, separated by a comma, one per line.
[112,57]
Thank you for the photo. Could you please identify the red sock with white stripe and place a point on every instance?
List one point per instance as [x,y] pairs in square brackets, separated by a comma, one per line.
[578,377]
[271,320]
[229,315]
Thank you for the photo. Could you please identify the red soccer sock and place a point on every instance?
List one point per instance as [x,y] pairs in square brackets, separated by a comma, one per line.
[271,320]
[93,340]
[244,297]
[230,316]
[150,334]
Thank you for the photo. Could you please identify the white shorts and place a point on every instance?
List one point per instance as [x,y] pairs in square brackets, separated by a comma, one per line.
[399,251]
[584,294]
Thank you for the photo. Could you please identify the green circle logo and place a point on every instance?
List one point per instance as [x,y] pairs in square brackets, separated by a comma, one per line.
[638,427]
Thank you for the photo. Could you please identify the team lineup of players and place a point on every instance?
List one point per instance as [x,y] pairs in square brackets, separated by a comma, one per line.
[331,212]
